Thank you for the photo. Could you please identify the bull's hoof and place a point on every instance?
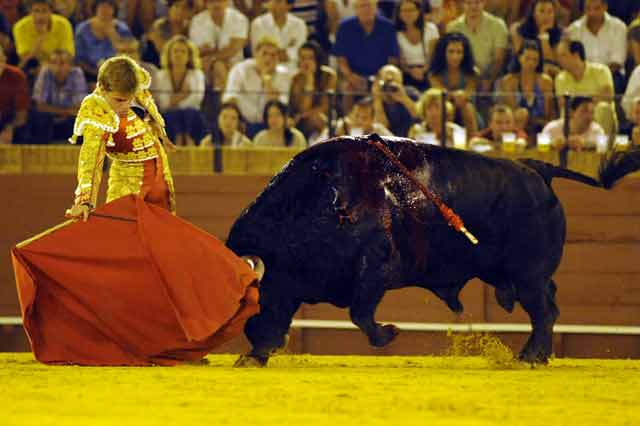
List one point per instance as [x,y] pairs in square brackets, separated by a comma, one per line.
[245,361]
[533,356]
[385,335]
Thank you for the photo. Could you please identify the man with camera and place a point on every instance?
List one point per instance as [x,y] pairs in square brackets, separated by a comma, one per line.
[394,103]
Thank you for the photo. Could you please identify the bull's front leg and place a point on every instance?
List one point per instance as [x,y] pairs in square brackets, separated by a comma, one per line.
[368,293]
[268,331]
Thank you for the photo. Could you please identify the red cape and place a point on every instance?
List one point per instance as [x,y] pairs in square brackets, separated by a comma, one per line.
[141,287]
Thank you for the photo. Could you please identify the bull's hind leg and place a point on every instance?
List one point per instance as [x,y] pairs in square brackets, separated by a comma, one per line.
[539,302]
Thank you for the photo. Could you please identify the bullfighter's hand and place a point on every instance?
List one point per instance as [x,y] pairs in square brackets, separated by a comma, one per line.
[78,211]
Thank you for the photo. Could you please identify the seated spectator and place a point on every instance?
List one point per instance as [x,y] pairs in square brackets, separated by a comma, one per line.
[583,130]
[364,44]
[310,91]
[416,40]
[501,122]
[604,38]
[13,10]
[70,9]
[584,78]
[229,129]
[429,129]
[634,129]
[290,31]
[164,28]
[40,33]
[250,8]
[528,90]
[360,121]
[488,37]
[220,32]
[130,47]
[6,42]
[279,131]
[139,15]
[217,75]
[14,102]
[58,92]
[540,24]
[453,69]
[255,81]
[179,87]
[633,85]
[97,37]
[393,102]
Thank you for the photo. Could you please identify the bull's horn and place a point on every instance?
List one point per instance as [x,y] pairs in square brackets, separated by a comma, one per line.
[256,264]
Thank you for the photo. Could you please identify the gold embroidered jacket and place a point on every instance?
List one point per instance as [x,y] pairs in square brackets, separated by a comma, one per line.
[97,123]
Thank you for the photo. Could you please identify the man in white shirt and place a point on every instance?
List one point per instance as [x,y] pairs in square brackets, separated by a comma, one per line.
[290,31]
[253,82]
[584,133]
[604,37]
[220,32]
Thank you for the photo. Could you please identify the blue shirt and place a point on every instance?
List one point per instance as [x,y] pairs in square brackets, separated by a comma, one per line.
[65,95]
[366,53]
[90,49]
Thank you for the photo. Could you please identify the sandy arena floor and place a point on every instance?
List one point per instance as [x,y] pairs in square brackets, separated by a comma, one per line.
[323,390]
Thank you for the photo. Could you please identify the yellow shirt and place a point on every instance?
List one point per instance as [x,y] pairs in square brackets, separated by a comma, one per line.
[60,36]
[596,78]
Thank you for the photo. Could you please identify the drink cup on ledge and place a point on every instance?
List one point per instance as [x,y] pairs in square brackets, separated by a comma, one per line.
[509,142]
[460,138]
[543,142]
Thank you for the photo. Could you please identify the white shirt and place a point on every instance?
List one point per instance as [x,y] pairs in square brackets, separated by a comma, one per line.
[194,82]
[555,130]
[418,54]
[290,37]
[606,47]
[204,32]
[632,92]
[245,85]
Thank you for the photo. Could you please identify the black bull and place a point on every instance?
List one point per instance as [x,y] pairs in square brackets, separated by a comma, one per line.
[341,224]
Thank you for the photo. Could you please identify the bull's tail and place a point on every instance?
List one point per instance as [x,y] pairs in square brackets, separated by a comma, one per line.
[612,169]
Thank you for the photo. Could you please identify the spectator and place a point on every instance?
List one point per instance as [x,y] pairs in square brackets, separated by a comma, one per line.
[540,24]
[633,86]
[279,131]
[583,78]
[507,10]
[12,10]
[634,117]
[255,81]
[360,121]
[501,122]
[39,34]
[249,8]
[583,131]
[131,47]
[307,10]
[453,69]
[393,102]
[604,37]
[14,102]
[488,36]
[58,92]
[180,89]
[416,40]
[288,29]
[97,37]
[217,75]
[220,32]
[6,40]
[429,130]
[364,44]
[310,91]
[528,90]
[175,23]
[229,129]
[70,9]
[140,14]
